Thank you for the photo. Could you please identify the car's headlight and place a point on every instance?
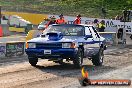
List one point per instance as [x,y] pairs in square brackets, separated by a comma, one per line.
[68,45]
[31,45]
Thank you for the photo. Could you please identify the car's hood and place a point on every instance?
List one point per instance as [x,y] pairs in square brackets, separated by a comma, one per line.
[56,37]
[64,39]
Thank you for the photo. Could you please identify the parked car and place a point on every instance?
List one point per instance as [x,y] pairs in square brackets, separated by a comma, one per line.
[42,25]
[67,41]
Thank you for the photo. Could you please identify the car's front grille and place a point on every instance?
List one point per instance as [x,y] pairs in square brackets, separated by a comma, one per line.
[49,45]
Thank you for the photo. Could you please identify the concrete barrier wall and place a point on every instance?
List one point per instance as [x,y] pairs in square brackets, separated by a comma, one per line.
[111,38]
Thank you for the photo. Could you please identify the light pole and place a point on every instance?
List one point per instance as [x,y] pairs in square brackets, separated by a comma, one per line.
[102,3]
[103,9]
[0,14]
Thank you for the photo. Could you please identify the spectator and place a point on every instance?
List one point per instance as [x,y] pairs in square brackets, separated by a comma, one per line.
[117,17]
[77,20]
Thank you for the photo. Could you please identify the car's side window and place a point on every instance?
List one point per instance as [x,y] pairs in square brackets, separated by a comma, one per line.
[87,31]
[94,34]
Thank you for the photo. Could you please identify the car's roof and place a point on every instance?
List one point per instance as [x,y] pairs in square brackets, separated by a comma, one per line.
[86,24]
[73,24]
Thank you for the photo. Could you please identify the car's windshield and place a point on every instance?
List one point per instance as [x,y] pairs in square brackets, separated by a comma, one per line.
[67,30]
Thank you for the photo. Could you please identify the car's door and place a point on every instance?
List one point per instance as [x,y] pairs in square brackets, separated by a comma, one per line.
[96,39]
[96,36]
[87,42]
[92,44]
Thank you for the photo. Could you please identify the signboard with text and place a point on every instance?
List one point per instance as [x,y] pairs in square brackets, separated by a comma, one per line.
[14,49]
[109,23]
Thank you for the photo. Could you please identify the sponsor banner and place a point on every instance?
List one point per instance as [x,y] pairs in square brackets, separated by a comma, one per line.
[12,49]
[85,81]
[15,49]
[2,49]
[111,25]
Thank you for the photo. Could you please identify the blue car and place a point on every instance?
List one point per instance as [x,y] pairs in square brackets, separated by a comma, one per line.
[67,41]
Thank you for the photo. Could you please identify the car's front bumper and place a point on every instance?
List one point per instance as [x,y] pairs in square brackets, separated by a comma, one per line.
[55,53]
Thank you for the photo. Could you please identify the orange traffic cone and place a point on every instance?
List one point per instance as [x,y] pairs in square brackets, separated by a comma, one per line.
[1,31]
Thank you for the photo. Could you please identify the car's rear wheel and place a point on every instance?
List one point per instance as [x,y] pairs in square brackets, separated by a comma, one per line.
[33,61]
[97,59]
[78,60]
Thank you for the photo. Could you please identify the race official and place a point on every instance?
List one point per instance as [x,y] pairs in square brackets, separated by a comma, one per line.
[96,24]
[61,20]
[77,20]
[101,26]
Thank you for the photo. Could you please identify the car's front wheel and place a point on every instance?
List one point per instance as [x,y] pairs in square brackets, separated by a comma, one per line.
[78,60]
[97,59]
[33,61]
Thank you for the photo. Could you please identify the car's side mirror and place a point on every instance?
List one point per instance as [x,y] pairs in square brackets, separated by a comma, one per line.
[88,36]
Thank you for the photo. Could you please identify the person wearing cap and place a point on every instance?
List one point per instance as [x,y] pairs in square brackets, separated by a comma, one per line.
[77,20]
[61,20]
[101,26]
[96,24]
